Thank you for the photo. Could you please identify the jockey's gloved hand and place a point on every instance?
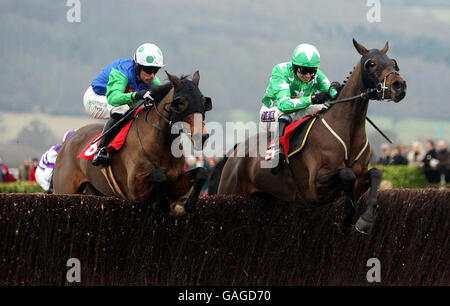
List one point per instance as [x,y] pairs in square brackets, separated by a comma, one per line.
[337,86]
[143,94]
[320,97]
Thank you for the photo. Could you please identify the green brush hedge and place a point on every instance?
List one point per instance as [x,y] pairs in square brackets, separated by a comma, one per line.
[404,176]
[20,187]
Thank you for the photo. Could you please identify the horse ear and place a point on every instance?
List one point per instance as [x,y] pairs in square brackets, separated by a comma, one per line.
[385,48]
[196,78]
[360,48]
[173,79]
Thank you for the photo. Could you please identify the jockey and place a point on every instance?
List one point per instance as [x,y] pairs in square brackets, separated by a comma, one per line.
[44,170]
[292,91]
[119,85]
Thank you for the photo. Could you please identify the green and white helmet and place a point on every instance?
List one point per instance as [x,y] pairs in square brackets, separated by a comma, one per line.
[149,55]
[306,55]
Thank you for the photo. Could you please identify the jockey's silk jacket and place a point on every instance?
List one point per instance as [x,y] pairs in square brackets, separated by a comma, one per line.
[289,93]
[118,82]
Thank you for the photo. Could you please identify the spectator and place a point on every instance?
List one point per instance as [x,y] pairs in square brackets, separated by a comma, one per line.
[430,161]
[397,158]
[1,164]
[212,161]
[7,177]
[201,162]
[24,170]
[385,158]
[443,155]
[190,163]
[33,170]
[404,150]
[416,155]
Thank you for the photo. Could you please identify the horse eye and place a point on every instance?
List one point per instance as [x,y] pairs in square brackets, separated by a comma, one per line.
[371,64]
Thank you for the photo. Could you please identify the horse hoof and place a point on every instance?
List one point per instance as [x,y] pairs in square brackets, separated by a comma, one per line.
[363,226]
[344,228]
[178,210]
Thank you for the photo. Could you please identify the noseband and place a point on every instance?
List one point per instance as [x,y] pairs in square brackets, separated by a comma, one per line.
[381,87]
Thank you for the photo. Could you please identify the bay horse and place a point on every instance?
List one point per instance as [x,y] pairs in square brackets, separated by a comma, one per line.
[335,159]
[144,170]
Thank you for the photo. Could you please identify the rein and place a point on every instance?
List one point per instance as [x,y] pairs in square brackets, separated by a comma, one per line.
[147,156]
[380,87]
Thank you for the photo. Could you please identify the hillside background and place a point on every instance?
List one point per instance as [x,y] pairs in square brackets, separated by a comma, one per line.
[46,63]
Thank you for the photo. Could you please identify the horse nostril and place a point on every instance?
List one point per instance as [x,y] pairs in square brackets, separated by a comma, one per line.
[397,84]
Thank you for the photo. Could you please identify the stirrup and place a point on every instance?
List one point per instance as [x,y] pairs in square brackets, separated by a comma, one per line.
[101,157]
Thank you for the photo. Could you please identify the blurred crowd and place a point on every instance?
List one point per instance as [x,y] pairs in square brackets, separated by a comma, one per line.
[26,171]
[201,161]
[434,160]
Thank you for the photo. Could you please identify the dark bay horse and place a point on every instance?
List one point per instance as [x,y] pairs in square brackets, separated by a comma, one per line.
[144,170]
[335,159]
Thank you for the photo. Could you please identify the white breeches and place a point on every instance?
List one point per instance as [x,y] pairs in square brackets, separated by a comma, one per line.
[97,106]
[272,114]
[43,177]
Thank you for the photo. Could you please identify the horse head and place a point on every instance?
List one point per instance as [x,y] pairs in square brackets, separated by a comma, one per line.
[189,106]
[381,72]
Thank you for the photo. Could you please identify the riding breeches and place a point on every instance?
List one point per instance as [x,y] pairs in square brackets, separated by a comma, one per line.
[43,177]
[268,117]
[97,106]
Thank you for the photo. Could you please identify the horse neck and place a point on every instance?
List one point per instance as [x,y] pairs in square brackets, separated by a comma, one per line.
[154,128]
[350,116]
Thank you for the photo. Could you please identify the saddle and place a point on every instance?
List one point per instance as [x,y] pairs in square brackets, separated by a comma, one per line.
[295,134]
[115,145]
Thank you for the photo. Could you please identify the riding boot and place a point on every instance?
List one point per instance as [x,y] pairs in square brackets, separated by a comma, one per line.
[283,122]
[102,156]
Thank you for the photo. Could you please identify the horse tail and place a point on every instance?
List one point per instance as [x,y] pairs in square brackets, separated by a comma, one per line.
[214,177]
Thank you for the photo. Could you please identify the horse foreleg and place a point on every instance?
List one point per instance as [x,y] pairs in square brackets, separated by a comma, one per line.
[201,176]
[159,180]
[365,221]
[188,186]
[347,178]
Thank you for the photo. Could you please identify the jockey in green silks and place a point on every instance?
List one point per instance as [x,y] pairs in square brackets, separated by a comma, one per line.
[292,92]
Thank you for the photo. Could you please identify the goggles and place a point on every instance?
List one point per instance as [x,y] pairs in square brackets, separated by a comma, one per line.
[305,70]
[150,69]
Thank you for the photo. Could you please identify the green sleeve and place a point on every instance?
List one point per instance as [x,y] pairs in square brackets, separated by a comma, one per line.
[292,105]
[324,84]
[115,89]
[156,81]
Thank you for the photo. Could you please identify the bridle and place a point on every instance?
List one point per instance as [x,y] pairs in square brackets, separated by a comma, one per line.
[381,87]
[171,121]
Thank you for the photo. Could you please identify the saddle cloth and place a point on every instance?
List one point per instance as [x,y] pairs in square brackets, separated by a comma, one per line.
[117,143]
[295,134]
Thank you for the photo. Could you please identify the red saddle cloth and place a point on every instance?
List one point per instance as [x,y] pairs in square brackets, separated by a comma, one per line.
[296,133]
[117,143]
